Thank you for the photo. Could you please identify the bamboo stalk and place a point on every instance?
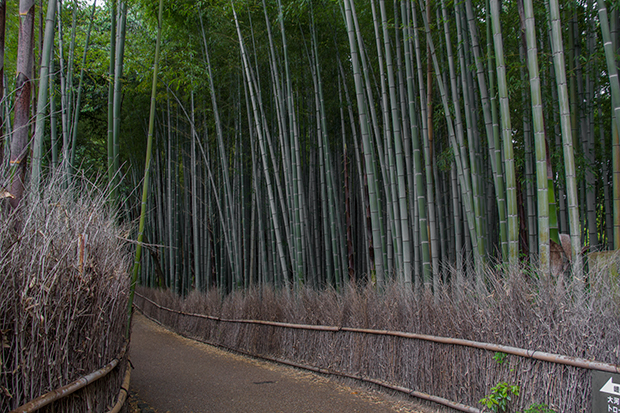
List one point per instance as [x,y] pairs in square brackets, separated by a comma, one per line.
[511,185]
[539,138]
[37,146]
[147,167]
[612,70]
[567,138]
[373,195]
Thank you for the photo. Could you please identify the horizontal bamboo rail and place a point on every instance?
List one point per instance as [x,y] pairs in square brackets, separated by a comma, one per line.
[70,388]
[440,400]
[532,354]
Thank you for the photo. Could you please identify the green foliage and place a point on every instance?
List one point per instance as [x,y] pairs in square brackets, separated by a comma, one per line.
[538,408]
[500,397]
[500,357]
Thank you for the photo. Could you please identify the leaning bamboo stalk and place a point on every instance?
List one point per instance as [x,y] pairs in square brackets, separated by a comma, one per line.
[387,155]
[71,63]
[418,183]
[259,130]
[147,167]
[71,388]
[228,198]
[370,116]
[337,240]
[297,189]
[521,352]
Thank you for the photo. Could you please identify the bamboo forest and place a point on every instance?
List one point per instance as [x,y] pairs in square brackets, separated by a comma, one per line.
[320,142]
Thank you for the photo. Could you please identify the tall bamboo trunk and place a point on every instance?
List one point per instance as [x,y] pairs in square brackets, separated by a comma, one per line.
[567,138]
[539,138]
[279,247]
[612,70]
[43,93]
[2,37]
[371,174]
[455,132]
[112,67]
[494,150]
[511,181]
[118,74]
[147,167]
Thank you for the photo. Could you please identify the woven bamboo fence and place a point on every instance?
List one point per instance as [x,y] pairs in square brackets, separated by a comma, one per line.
[453,346]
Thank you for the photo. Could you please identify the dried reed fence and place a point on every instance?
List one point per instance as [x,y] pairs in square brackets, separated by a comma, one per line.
[516,310]
[63,298]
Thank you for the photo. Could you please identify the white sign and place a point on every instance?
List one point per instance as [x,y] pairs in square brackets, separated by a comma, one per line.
[605,392]
[611,387]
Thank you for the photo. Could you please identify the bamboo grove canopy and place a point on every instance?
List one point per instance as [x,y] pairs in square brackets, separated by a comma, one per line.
[320,141]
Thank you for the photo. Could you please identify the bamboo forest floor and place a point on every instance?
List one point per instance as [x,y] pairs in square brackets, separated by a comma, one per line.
[175,374]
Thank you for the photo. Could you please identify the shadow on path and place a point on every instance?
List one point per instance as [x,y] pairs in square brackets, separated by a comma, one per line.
[174,374]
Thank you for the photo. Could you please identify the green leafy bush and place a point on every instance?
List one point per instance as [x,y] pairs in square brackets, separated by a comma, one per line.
[500,397]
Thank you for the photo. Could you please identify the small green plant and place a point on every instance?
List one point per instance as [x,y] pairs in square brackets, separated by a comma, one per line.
[539,408]
[501,396]
[499,357]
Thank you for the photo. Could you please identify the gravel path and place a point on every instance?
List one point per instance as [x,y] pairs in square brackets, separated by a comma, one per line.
[174,374]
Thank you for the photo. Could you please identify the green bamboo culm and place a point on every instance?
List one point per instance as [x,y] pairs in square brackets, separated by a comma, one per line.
[147,166]
[111,171]
[509,162]
[37,147]
[614,83]
[539,137]
[567,137]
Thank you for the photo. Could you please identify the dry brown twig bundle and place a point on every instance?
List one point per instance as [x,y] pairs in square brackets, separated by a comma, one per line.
[63,295]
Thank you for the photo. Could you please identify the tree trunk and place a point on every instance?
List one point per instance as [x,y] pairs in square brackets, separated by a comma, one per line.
[23,90]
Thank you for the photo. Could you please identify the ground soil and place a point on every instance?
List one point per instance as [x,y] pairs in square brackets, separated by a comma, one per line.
[174,374]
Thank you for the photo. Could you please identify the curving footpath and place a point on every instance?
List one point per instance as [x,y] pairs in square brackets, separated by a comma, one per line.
[174,374]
